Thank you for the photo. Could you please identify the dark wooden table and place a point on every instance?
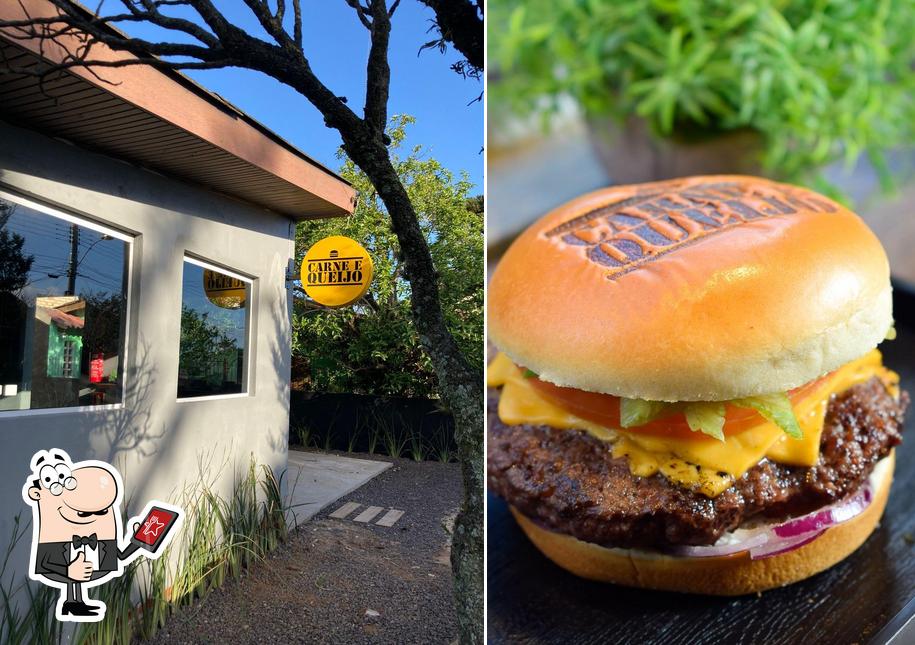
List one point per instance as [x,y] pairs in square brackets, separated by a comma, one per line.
[869,597]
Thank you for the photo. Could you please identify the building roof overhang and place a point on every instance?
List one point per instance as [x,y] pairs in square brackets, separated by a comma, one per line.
[164,121]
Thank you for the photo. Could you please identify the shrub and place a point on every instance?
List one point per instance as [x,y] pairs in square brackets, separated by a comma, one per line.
[820,80]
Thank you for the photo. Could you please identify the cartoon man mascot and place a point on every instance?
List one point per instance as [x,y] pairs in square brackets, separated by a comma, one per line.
[76,530]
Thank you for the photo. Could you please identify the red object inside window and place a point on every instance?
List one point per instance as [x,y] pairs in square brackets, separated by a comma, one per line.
[96,369]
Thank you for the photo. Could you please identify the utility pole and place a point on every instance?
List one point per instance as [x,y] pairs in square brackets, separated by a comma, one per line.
[71,269]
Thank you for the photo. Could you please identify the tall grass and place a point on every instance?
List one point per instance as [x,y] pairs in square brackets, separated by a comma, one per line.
[443,448]
[392,434]
[219,539]
[385,432]
[417,445]
[353,432]
[374,433]
[35,623]
[303,434]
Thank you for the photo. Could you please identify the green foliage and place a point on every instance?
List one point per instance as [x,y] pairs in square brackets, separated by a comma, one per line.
[28,607]
[204,344]
[372,347]
[819,79]
[442,445]
[14,266]
[220,538]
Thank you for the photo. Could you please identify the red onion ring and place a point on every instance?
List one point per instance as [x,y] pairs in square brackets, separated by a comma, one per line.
[783,545]
[826,517]
[791,534]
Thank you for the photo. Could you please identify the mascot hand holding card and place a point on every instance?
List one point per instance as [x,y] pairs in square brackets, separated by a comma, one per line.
[77,541]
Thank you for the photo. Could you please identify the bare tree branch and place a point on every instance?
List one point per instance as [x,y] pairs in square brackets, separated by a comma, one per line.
[361,11]
[152,14]
[91,30]
[157,63]
[222,43]
[378,71]
[268,21]
[297,23]
[459,22]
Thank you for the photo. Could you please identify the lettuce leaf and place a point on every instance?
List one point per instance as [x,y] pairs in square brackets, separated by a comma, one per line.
[775,408]
[636,412]
[707,418]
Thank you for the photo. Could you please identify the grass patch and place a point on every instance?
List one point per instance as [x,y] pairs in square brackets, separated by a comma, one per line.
[219,539]
[417,446]
[381,431]
[303,435]
[374,436]
[443,448]
[392,435]
[36,623]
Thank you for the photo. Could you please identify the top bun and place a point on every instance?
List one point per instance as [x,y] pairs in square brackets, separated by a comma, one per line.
[696,289]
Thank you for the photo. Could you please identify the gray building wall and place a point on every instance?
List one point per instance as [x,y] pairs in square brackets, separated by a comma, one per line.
[157,442]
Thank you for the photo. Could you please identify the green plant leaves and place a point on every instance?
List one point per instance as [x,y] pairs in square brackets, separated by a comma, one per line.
[820,80]
[373,347]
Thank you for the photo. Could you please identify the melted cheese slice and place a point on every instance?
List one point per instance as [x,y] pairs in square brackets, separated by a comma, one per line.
[701,463]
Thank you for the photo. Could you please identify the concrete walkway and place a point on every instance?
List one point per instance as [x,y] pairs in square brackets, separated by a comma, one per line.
[316,479]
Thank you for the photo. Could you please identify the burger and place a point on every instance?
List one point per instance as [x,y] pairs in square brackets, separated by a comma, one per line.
[687,393]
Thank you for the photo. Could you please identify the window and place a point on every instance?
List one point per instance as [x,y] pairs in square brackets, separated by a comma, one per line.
[63,304]
[214,324]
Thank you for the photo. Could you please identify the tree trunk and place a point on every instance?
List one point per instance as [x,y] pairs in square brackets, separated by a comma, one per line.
[225,44]
[460,385]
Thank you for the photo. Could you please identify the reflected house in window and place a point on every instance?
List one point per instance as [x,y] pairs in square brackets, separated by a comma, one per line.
[62,309]
[57,350]
[147,244]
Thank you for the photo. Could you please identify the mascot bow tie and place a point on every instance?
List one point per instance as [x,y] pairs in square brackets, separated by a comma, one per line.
[90,541]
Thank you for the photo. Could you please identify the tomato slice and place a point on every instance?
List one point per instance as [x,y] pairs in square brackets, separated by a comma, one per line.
[604,409]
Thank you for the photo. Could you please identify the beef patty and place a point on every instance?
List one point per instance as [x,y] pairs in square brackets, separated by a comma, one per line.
[569,482]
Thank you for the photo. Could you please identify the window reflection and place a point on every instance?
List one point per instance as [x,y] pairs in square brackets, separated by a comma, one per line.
[62,311]
[214,311]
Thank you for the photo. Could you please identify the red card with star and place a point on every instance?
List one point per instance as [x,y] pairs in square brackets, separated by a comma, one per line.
[154,527]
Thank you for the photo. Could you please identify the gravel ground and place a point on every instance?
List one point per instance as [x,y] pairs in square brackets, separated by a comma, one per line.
[326,584]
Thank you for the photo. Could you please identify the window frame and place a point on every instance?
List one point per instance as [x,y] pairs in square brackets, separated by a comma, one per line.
[86,221]
[246,367]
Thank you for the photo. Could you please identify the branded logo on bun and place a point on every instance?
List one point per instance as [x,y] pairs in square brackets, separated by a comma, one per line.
[627,233]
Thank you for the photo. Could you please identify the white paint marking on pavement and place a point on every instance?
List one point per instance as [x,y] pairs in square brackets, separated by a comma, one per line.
[345,510]
[389,518]
[368,514]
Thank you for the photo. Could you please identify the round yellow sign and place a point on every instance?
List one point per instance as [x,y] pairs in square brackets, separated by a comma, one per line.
[223,290]
[336,271]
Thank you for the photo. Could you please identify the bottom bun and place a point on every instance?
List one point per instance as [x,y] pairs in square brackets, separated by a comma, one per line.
[731,575]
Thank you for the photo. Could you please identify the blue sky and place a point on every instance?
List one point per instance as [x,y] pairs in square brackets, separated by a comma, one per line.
[100,268]
[337,45]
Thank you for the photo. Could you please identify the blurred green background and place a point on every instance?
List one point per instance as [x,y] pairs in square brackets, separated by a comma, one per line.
[584,93]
